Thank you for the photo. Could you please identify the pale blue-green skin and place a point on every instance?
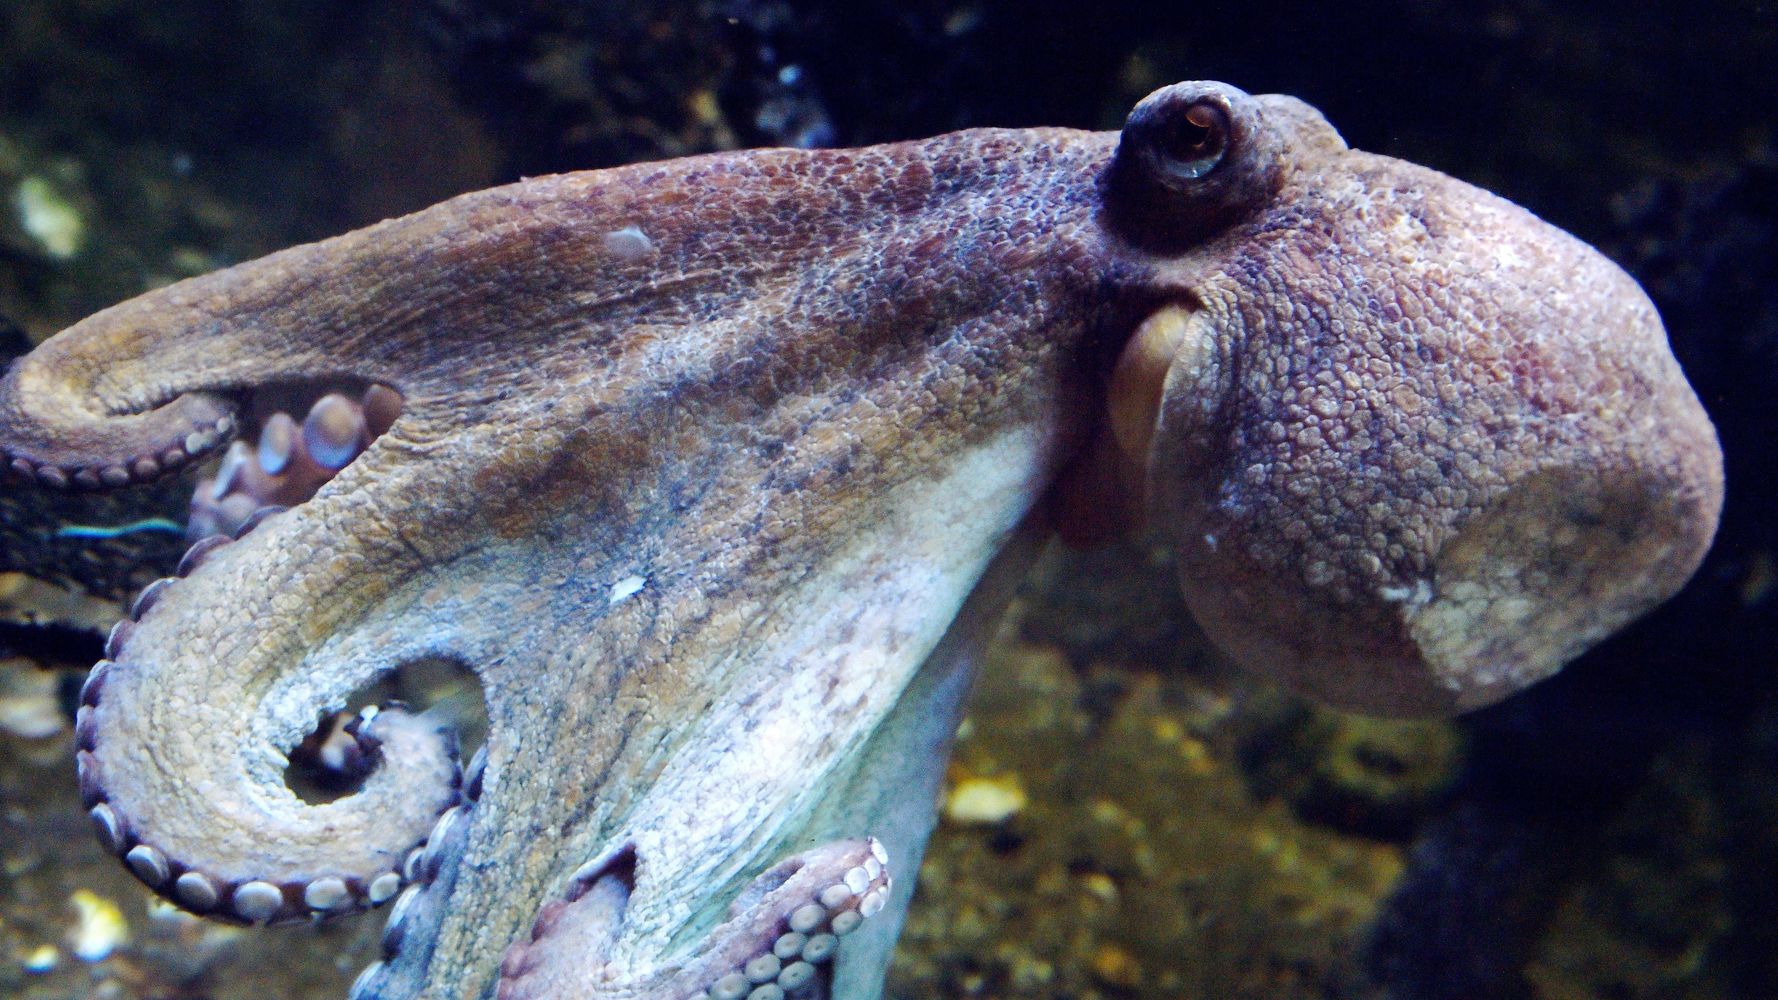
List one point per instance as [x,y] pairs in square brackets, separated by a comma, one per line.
[887,788]
[898,778]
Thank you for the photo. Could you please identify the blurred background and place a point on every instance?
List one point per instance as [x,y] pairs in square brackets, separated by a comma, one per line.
[1125,817]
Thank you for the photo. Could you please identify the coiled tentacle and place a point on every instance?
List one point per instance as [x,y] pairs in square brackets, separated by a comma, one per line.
[184,781]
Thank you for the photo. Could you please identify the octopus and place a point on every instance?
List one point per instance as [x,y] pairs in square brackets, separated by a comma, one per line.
[715,474]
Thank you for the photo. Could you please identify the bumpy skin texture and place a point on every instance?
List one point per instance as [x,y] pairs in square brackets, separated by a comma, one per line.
[1417,448]
[714,472]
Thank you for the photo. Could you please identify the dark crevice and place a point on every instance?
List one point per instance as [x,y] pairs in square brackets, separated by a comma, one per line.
[297,435]
[332,762]
[292,396]
[620,866]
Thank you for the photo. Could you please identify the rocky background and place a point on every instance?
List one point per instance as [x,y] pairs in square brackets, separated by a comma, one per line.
[1125,817]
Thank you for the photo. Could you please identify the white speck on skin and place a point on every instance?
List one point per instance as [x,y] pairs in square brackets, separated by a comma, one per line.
[624,588]
[1418,594]
[1508,258]
[48,218]
[629,243]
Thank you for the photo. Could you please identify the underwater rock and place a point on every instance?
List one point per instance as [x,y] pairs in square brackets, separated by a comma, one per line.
[1369,776]
[49,216]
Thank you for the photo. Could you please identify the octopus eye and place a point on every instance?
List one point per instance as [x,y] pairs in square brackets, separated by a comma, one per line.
[1192,141]
[1194,158]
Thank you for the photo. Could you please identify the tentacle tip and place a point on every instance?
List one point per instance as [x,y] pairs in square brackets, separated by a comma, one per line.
[78,473]
[220,889]
[809,903]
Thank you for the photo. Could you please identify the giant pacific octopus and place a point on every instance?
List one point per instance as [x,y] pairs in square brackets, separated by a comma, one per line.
[715,473]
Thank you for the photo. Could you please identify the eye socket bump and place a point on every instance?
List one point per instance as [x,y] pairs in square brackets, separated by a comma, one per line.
[1192,159]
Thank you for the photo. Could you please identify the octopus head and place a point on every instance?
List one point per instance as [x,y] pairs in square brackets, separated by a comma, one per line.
[1415,447]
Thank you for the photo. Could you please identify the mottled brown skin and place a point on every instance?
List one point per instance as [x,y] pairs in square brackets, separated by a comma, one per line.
[700,460]
[1417,449]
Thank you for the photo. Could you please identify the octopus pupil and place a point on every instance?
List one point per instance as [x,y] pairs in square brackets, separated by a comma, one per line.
[1196,141]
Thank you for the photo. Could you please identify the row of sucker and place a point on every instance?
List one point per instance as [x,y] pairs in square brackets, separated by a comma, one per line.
[337,426]
[420,868]
[810,935]
[788,953]
[196,445]
[289,460]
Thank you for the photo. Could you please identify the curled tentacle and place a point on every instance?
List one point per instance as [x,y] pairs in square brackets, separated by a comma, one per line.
[418,909]
[95,407]
[152,383]
[779,940]
[47,432]
[188,790]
